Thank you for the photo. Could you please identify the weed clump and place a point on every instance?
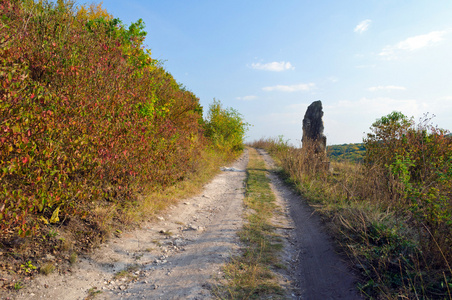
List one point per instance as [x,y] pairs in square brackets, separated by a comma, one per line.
[47,268]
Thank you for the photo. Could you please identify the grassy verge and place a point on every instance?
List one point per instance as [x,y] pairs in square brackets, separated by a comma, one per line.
[250,275]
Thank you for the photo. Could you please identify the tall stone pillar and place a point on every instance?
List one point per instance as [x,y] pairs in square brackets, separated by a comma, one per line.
[313,128]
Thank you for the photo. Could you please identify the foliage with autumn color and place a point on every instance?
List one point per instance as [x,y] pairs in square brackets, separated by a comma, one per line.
[87,117]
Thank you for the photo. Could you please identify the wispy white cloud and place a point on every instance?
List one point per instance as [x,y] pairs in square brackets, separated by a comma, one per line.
[273,66]
[362,26]
[290,88]
[333,79]
[247,98]
[386,88]
[446,98]
[413,43]
[381,106]
[365,66]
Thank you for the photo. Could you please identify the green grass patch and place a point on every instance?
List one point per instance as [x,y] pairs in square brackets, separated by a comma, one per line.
[250,275]
[127,273]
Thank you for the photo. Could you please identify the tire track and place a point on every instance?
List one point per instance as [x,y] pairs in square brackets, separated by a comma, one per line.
[318,270]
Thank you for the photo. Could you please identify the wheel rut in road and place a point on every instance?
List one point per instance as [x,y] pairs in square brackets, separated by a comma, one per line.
[318,271]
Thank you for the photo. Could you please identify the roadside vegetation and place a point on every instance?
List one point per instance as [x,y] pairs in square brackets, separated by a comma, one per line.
[250,275]
[391,214]
[95,135]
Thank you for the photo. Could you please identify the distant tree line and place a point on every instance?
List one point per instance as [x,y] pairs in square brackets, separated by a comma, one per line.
[347,152]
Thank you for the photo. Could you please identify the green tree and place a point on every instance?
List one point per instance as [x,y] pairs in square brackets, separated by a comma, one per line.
[225,127]
[383,144]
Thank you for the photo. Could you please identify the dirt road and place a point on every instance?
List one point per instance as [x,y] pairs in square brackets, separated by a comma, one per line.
[178,257]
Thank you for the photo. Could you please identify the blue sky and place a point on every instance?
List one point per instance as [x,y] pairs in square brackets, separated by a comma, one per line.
[271,59]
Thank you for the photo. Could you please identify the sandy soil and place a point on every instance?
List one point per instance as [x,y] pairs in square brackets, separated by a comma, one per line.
[179,256]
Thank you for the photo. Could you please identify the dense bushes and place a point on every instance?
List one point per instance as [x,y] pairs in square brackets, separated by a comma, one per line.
[392,213]
[417,163]
[87,117]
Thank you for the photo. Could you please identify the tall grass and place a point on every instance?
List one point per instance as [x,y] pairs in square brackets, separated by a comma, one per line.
[398,254]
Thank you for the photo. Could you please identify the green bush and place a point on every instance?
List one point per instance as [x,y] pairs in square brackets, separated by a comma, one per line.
[225,128]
